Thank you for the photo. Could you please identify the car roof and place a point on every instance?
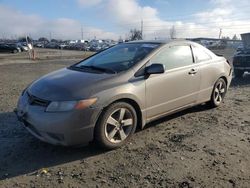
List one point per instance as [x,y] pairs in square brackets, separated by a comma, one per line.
[173,42]
[149,41]
[161,41]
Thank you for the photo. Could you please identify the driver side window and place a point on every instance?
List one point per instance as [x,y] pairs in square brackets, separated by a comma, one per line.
[174,57]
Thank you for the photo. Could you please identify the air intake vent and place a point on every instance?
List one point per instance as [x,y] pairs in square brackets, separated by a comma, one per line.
[37,101]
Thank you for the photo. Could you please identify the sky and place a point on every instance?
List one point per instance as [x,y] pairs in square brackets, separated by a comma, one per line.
[112,19]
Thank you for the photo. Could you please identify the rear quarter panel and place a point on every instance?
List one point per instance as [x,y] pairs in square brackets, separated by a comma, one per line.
[211,71]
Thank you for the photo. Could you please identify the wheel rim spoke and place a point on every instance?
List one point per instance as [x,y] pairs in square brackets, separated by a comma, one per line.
[112,121]
[216,94]
[122,134]
[219,86]
[127,122]
[219,98]
[222,90]
[216,91]
[122,113]
[112,133]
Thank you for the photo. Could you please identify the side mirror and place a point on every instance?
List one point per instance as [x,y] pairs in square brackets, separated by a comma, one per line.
[155,69]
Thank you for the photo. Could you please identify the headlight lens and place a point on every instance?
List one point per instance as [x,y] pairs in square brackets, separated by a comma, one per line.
[64,106]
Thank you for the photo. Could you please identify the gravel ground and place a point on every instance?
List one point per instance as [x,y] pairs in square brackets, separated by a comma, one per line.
[198,147]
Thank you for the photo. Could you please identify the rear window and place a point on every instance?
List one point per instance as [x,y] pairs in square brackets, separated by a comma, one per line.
[174,57]
[200,54]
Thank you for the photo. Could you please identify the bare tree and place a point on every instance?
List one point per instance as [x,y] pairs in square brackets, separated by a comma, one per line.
[226,38]
[172,32]
[135,34]
[235,37]
[43,40]
[25,39]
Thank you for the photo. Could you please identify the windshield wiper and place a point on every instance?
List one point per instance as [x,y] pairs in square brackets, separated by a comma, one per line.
[103,69]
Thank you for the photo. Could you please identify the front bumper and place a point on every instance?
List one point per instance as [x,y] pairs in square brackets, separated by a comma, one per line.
[242,68]
[61,128]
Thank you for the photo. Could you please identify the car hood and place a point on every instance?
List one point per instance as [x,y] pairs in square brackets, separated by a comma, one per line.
[66,84]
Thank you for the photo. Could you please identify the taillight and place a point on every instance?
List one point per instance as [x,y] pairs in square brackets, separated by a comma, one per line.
[228,62]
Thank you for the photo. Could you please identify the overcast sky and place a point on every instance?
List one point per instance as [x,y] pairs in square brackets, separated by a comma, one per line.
[63,19]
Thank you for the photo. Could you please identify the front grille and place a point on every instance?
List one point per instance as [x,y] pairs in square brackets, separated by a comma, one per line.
[37,101]
[242,61]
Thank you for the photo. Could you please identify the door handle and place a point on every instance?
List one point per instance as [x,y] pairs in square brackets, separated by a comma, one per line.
[193,71]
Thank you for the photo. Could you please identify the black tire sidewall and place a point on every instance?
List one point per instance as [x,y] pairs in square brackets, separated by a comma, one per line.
[100,136]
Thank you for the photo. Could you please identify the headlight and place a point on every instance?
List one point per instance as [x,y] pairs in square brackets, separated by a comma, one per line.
[63,106]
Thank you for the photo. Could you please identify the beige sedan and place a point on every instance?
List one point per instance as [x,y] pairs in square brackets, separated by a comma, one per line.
[106,96]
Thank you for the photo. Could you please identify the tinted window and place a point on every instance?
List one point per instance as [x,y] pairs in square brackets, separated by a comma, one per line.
[120,57]
[174,57]
[200,54]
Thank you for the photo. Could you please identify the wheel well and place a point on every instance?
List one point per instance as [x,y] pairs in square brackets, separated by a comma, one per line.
[135,106]
[224,78]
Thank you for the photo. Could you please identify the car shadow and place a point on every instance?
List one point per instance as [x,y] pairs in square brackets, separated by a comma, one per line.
[21,153]
[198,108]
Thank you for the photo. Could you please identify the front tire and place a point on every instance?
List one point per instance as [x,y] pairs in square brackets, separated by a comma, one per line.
[116,125]
[218,94]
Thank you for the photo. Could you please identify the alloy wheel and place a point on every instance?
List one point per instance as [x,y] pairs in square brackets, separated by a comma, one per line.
[119,125]
[219,92]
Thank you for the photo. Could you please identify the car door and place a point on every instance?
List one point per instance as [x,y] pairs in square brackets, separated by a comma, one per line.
[2,48]
[178,86]
[6,48]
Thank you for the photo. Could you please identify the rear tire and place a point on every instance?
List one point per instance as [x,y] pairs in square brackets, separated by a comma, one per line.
[116,125]
[14,51]
[218,94]
[238,73]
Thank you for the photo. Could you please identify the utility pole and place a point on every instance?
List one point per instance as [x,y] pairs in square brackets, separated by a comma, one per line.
[82,32]
[220,33]
[50,36]
[142,28]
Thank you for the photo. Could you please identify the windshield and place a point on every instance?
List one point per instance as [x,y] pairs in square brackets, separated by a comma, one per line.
[120,57]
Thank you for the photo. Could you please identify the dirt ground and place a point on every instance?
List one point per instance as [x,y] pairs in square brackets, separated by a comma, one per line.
[42,55]
[198,147]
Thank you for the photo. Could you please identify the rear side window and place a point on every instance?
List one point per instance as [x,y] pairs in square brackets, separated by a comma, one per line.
[174,57]
[200,54]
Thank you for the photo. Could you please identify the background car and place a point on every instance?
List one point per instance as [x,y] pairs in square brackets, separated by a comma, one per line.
[23,46]
[52,45]
[241,59]
[11,48]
